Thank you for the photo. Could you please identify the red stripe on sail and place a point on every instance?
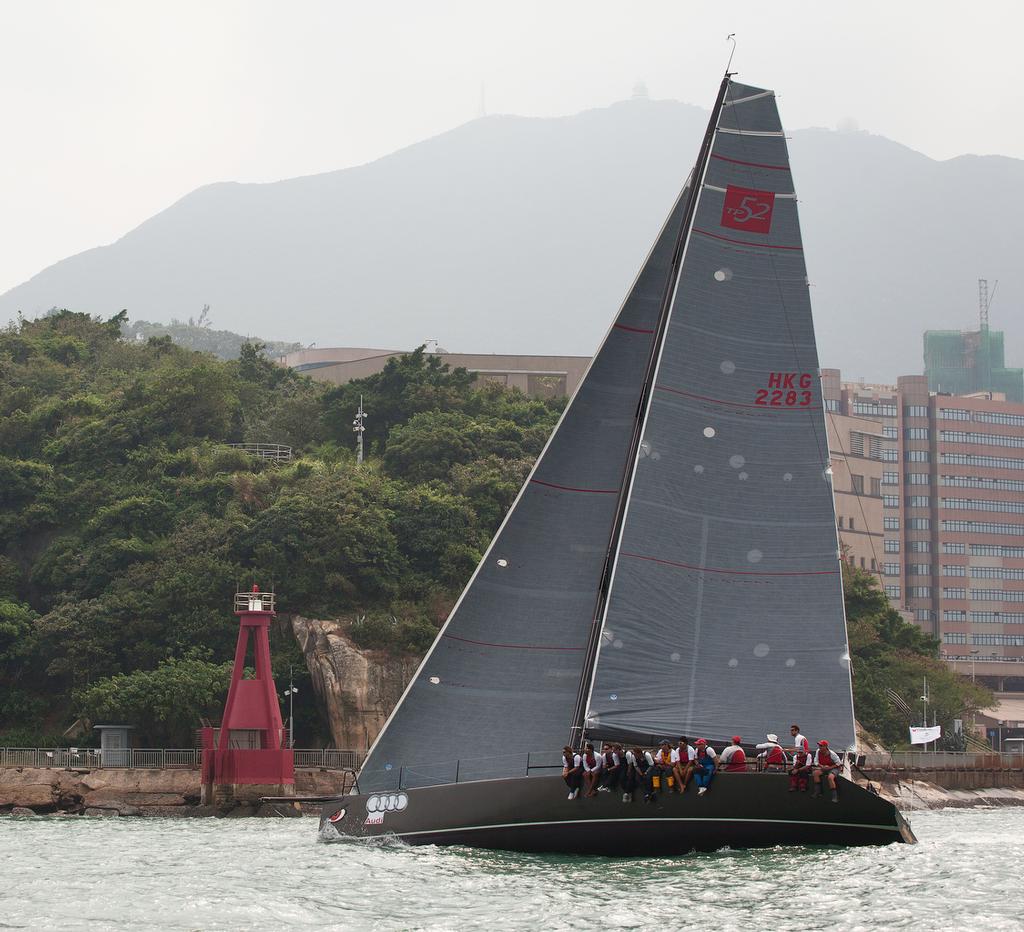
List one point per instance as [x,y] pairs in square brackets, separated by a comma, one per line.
[740,242]
[569,488]
[778,168]
[739,404]
[453,637]
[712,569]
[632,329]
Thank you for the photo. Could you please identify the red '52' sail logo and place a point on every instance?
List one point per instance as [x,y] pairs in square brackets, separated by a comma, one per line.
[748,209]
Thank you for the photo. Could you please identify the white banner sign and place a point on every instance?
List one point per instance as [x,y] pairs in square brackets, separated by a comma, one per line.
[924,735]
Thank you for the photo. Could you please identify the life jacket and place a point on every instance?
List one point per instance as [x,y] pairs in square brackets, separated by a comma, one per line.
[684,755]
[664,758]
[823,758]
[591,760]
[775,755]
[800,758]
[738,762]
[702,754]
[609,759]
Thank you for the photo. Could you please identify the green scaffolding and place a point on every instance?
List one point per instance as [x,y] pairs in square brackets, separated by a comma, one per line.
[964,362]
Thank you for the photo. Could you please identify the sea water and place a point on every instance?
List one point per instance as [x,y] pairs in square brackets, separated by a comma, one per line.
[70,873]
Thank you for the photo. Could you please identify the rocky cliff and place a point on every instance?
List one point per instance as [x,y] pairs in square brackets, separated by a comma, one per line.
[356,688]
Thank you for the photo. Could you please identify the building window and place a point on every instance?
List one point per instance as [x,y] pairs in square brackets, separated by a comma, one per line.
[918,478]
[953,570]
[954,615]
[983,527]
[973,459]
[876,486]
[991,440]
[891,546]
[890,501]
[919,524]
[997,618]
[915,411]
[891,524]
[919,592]
[890,569]
[923,614]
[998,595]
[954,637]
[892,592]
[955,548]
[891,456]
[919,501]
[996,572]
[998,640]
[890,478]
[874,408]
[890,433]
[853,526]
[979,482]
[831,404]
[919,569]
[839,521]
[995,550]
[954,593]
[917,456]
[915,433]
[919,546]
[954,414]
[990,417]
[858,483]
[980,504]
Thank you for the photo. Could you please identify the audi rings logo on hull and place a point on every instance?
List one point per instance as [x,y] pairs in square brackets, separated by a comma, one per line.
[388,802]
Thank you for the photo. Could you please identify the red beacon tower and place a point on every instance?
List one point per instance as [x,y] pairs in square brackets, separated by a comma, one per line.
[250,758]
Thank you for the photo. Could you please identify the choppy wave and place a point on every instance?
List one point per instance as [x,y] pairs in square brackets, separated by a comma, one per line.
[77,873]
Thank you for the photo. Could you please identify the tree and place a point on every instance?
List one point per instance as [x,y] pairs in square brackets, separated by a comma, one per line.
[889,653]
[164,704]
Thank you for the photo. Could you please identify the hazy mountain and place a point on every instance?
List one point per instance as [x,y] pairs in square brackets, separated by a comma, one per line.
[522,235]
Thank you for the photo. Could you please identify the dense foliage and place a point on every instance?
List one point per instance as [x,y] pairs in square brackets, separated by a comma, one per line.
[889,653]
[126,522]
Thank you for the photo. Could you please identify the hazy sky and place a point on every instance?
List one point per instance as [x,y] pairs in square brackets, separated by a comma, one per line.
[113,110]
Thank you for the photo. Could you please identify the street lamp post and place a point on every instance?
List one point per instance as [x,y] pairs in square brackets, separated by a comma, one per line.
[290,693]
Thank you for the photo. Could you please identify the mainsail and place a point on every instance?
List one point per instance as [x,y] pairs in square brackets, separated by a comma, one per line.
[725,610]
[671,565]
[501,679]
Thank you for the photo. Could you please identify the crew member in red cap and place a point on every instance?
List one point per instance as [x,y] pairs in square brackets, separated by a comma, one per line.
[826,762]
[733,758]
[704,765]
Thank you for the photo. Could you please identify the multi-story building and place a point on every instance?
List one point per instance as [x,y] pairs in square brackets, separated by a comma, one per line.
[953,511]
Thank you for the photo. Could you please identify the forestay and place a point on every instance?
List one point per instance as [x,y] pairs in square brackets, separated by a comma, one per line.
[725,613]
[503,675]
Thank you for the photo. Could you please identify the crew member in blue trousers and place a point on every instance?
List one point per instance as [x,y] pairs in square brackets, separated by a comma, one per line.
[704,766]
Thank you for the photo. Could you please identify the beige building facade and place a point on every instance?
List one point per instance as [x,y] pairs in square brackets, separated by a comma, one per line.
[537,376]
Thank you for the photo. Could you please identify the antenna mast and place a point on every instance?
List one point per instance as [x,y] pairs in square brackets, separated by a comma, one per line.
[983,303]
[359,429]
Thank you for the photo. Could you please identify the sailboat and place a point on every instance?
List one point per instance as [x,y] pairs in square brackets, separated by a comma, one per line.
[670,567]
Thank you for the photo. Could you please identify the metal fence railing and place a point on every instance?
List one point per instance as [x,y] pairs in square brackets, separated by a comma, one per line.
[944,760]
[157,758]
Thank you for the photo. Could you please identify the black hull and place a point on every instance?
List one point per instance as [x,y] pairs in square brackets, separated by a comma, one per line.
[532,814]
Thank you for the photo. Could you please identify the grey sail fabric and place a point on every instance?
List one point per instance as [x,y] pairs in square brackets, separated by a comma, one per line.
[503,675]
[725,614]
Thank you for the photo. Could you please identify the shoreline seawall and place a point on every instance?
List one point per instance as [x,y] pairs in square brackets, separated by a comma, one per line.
[140,792]
[136,792]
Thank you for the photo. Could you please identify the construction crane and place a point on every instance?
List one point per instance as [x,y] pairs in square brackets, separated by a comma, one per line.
[985,301]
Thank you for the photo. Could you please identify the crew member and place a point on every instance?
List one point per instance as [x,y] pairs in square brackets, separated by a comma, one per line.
[733,758]
[704,765]
[591,770]
[826,762]
[683,768]
[638,762]
[572,770]
[611,768]
[659,776]
[801,768]
[772,756]
[799,741]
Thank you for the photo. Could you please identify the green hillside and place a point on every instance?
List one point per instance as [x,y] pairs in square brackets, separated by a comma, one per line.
[127,523]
